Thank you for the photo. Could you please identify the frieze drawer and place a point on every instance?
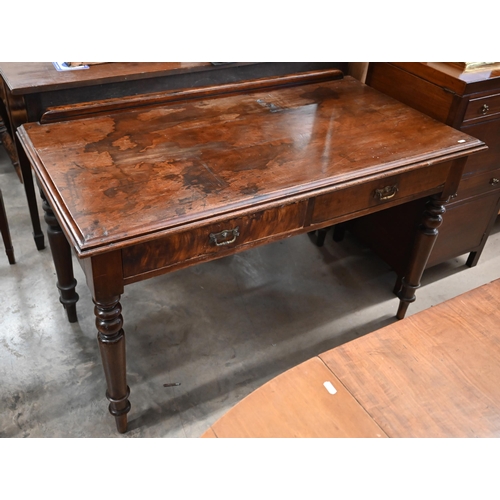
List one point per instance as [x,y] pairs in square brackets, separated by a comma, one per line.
[379,192]
[210,241]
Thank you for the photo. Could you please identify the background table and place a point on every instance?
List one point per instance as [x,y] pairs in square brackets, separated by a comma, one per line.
[432,375]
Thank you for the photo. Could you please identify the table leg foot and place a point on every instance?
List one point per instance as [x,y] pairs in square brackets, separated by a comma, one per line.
[4,229]
[121,424]
[39,241]
[10,255]
[111,338]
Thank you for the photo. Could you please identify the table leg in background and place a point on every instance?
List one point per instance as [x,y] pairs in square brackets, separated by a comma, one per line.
[61,254]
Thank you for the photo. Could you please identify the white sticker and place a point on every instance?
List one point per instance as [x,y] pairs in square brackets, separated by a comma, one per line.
[329,387]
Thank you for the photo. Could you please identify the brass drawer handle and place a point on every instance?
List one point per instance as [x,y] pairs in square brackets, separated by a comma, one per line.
[494,181]
[220,239]
[386,193]
[485,108]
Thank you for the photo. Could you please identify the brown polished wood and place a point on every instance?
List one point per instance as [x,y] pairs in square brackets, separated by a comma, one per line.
[434,374]
[61,253]
[85,109]
[7,141]
[34,77]
[141,192]
[296,404]
[29,89]
[468,101]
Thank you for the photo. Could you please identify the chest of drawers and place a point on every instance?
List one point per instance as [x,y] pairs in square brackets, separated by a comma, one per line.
[467,101]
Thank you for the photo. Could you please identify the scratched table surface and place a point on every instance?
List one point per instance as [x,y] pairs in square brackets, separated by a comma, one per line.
[177,164]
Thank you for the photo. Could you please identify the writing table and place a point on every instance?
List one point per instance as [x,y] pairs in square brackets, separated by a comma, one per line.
[28,89]
[180,178]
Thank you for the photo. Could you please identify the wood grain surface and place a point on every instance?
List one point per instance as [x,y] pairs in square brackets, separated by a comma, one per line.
[297,404]
[174,165]
[435,374]
[25,78]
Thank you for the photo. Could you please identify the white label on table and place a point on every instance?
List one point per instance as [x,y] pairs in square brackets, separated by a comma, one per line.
[329,387]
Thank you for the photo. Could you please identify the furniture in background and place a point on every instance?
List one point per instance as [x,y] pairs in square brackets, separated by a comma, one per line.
[4,229]
[4,224]
[152,184]
[307,401]
[6,137]
[28,89]
[468,101]
[431,375]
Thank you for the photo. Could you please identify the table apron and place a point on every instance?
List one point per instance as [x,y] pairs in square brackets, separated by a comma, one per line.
[231,235]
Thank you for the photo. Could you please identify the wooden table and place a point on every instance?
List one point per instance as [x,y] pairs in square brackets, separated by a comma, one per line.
[186,177]
[433,375]
[27,90]
[307,401]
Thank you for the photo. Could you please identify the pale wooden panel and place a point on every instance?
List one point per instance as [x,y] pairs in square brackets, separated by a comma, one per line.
[434,374]
[296,404]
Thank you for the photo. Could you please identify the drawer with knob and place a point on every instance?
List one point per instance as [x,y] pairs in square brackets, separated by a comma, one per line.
[482,107]
[479,184]
[211,240]
[380,192]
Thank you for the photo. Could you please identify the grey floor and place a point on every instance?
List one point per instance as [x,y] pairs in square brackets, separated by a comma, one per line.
[220,329]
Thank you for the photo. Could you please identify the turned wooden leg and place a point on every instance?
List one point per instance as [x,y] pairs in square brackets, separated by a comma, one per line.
[424,242]
[111,339]
[61,255]
[4,228]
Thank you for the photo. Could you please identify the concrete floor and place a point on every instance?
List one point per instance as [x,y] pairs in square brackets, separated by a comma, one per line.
[220,329]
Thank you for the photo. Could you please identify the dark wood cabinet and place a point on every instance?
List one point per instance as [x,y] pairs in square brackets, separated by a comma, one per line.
[467,101]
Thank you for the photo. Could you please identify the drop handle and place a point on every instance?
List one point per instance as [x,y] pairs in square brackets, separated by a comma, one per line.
[386,193]
[494,181]
[221,239]
[484,109]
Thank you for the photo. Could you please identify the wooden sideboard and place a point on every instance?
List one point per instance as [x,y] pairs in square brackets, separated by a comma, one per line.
[467,101]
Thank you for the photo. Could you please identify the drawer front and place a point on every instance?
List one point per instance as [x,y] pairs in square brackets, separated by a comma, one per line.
[489,133]
[212,241]
[379,192]
[482,107]
[478,184]
[464,227]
